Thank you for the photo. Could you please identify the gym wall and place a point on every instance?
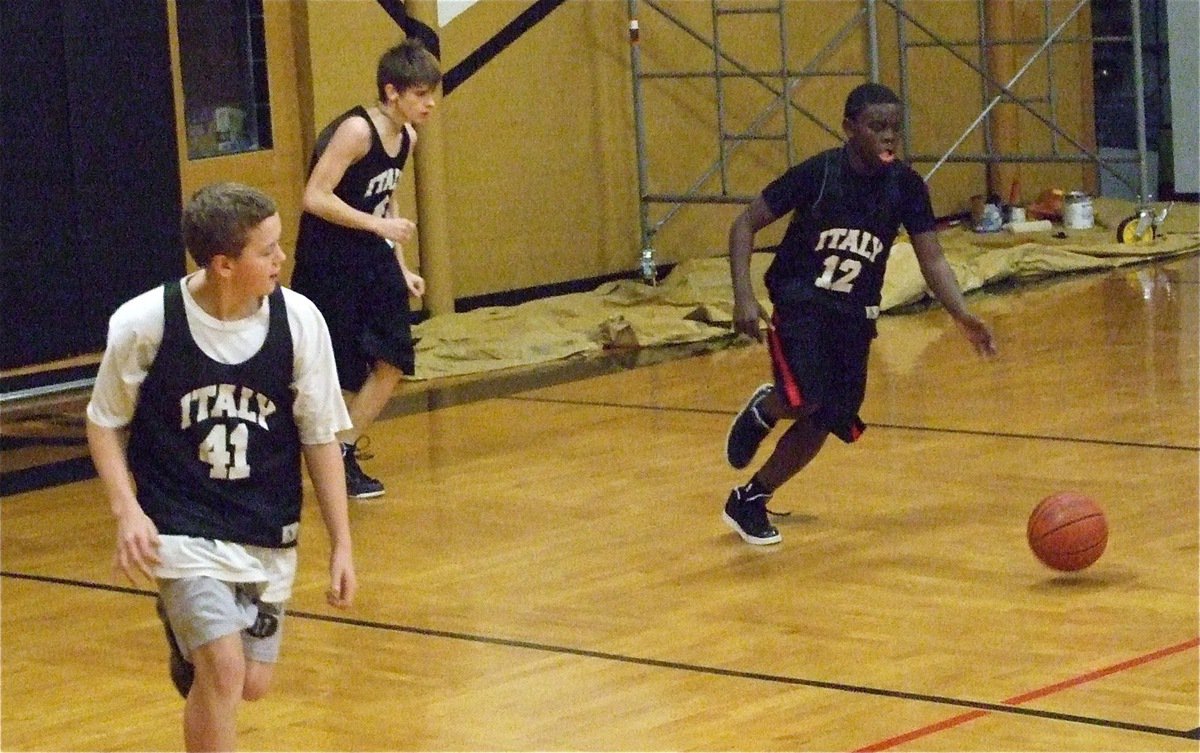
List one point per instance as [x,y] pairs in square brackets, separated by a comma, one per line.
[541,169]
[540,161]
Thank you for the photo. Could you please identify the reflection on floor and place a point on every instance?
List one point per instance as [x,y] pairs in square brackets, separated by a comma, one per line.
[43,441]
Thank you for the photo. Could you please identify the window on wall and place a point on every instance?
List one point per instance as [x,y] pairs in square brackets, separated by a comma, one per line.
[223,57]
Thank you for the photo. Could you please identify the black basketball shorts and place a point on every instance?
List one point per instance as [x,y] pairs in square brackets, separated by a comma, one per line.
[369,319]
[819,358]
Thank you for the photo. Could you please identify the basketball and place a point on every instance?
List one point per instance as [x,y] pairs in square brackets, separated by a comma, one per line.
[1067,531]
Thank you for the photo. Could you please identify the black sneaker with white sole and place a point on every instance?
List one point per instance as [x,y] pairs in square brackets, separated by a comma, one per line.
[747,515]
[358,484]
[749,428]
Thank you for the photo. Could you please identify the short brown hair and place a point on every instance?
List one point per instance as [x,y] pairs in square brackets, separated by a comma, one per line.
[218,218]
[406,65]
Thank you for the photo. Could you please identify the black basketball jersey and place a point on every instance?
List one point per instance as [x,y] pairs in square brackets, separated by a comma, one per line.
[367,186]
[843,224]
[213,447]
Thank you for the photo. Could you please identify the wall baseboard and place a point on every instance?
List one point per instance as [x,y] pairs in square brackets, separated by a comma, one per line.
[524,295]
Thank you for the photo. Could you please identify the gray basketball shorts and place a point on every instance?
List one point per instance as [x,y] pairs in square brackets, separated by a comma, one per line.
[204,609]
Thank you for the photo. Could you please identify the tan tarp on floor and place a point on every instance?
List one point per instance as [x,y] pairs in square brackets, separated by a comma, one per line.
[695,302]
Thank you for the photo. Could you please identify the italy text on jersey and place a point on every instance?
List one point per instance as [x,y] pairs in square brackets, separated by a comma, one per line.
[216,402]
[840,270]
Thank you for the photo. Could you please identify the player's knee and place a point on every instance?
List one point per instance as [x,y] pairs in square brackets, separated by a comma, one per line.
[221,669]
[255,688]
[258,681]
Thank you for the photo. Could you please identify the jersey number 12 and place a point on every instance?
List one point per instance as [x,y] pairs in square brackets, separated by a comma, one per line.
[845,269]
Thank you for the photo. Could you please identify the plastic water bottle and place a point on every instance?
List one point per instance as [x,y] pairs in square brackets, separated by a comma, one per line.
[649,269]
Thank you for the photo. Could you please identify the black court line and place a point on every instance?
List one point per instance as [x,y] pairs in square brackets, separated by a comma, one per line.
[50,378]
[47,475]
[501,384]
[1046,437]
[70,470]
[998,708]
[8,442]
[900,427]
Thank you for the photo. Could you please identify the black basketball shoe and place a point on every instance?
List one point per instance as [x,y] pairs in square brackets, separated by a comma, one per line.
[358,484]
[747,514]
[749,428]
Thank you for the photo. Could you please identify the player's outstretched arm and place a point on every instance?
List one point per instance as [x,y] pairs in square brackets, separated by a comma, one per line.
[944,285]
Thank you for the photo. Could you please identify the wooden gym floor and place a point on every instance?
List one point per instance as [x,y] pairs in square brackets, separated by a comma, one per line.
[549,571]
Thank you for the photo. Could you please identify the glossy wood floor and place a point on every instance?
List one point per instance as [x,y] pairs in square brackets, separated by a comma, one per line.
[549,570]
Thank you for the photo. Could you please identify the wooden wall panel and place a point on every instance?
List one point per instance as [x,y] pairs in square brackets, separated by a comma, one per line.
[279,171]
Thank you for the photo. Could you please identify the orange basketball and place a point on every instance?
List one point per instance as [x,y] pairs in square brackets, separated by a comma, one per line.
[1067,531]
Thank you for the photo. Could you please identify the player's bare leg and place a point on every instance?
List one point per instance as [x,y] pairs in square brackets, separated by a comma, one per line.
[210,713]
[795,449]
[366,404]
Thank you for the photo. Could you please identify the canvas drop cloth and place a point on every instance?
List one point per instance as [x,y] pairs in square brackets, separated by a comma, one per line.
[695,302]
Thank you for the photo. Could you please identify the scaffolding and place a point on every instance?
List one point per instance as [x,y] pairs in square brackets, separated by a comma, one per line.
[912,33]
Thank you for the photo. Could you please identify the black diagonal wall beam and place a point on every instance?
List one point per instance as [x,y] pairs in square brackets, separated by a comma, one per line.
[457,75]
[412,27]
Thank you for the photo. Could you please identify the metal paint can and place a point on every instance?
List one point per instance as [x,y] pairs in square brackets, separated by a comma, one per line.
[1078,213]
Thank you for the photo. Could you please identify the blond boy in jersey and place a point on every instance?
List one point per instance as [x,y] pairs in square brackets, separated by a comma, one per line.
[211,390]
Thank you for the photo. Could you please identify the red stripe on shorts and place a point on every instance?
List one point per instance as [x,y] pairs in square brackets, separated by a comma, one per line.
[856,430]
[783,374]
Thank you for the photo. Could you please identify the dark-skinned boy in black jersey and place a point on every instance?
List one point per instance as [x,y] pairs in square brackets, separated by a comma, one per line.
[847,205]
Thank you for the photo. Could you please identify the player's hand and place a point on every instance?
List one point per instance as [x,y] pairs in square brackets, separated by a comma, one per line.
[978,333]
[415,282]
[343,583]
[396,229]
[137,546]
[747,314]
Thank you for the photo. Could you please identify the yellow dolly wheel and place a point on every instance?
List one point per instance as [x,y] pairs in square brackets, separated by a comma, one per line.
[1126,232]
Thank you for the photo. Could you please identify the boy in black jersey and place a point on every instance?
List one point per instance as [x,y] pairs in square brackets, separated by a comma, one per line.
[825,282]
[211,390]
[349,258]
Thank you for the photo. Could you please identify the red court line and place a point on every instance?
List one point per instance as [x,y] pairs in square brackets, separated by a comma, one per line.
[955,721]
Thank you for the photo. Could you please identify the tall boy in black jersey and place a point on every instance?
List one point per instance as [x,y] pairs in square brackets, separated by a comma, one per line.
[211,390]
[349,258]
[825,282]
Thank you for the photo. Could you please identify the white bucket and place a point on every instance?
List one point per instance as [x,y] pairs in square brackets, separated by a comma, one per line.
[1078,213]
